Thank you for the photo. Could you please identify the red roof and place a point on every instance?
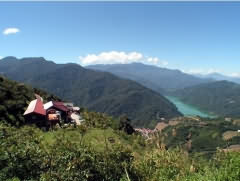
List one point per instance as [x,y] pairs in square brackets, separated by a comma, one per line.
[35,106]
[60,105]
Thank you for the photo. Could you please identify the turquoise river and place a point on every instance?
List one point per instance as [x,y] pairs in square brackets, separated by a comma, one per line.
[185,109]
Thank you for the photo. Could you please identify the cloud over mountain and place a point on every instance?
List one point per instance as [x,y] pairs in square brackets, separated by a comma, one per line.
[210,71]
[120,57]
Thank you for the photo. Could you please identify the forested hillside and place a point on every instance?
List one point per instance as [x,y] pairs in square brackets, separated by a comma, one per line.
[221,97]
[98,91]
[14,98]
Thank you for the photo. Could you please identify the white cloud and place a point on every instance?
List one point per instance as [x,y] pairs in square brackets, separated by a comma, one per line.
[164,63]
[202,71]
[113,57]
[235,75]
[210,71]
[1,57]
[9,31]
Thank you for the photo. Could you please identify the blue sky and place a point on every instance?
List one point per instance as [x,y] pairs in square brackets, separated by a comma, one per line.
[194,37]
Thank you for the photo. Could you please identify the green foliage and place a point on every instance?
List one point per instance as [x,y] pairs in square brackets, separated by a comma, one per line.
[21,153]
[175,165]
[125,125]
[24,154]
[228,166]
[204,135]
[163,165]
[98,120]
[27,153]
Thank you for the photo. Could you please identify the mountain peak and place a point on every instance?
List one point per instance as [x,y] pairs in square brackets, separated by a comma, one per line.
[9,58]
[33,59]
[12,58]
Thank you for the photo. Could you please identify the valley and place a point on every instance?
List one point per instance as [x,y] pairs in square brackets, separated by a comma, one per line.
[221,98]
[188,110]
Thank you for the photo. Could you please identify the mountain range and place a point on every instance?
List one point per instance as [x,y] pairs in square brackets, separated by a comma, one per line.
[107,88]
[218,76]
[213,93]
[159,79]
[97,91]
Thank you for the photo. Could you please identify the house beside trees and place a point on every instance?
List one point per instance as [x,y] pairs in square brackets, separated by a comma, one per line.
[51,113]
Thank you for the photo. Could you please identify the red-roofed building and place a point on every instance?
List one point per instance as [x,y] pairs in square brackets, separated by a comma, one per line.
[59,107]
[35,113]
[49,114]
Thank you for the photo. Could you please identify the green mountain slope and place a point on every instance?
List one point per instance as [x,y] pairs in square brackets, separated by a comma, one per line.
[221,97]
[26,68]
[156,78]
[14,98]
[98,91]
[200,134]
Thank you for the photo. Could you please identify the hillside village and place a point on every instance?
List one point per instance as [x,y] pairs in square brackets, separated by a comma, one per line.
[51,113]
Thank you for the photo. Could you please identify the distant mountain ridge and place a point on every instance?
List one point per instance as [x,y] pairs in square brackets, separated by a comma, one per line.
[25,68]
[98,91]
[155,78]
[218,76]
[221,97]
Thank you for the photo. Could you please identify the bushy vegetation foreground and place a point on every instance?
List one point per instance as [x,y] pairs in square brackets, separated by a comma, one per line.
[101,151]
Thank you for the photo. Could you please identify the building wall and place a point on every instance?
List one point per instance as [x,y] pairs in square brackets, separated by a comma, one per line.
[37,119]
